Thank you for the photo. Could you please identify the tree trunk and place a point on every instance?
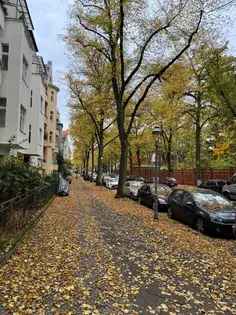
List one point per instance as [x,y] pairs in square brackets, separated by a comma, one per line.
[87,163]
[138,155]
[169,154]
[130,161]
[198,150]
[92,160]
[100,165]
[123,168]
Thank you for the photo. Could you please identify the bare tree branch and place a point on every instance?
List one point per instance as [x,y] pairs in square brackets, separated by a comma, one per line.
[162,71]
[135,70]
[92,30]
[110,141]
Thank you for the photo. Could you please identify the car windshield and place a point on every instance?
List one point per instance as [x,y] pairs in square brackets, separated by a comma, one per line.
[211,201]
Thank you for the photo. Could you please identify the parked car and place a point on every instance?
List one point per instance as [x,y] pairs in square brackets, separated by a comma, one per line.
[203,209]
[112,182]
[229,189]
[135,178]
[132,187]
[146,195]
[169,181]
[105,177]
[87,176]
[213,184]
[94,177]
[63,187]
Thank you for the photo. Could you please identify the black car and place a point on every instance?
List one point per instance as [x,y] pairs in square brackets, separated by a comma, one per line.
[203,209]
[213,184]
[169,181]
[146,195]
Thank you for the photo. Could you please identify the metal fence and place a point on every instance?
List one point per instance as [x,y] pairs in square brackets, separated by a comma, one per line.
[18,211]
[185,177]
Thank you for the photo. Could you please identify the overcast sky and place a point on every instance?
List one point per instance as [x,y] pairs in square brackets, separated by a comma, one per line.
[50,20]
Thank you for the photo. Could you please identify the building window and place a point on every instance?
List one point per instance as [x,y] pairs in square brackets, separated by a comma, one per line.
[25,70]
[41,104]
[52,96]
[51,136]
[30,133]
[5,56]
[40,135]
[31,98]
[46,109]
[51,115]
[22,118]
[3,109]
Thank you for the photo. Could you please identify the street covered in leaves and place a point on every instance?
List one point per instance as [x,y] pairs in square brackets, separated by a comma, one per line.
[94,254]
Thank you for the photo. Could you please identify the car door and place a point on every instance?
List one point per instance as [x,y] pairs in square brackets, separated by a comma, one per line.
[145,195]
[127,188]
[175,202]
[149,197]
[188,212]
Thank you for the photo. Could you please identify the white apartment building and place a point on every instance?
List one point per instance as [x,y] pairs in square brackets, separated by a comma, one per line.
[18,48]
[37,113]
[29,119]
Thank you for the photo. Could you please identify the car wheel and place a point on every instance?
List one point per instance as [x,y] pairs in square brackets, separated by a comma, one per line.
[200,225]
[170,213]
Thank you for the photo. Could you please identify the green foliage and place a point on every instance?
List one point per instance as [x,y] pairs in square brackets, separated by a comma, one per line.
[16,177]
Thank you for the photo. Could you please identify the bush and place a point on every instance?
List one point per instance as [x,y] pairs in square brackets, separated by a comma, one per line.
[16,177]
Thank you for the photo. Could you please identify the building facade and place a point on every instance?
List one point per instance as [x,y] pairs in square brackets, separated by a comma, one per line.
[18,48]
[37,113]
[29,119]
[51,121]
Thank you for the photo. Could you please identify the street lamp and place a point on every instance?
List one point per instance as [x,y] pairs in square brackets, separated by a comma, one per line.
[156,133]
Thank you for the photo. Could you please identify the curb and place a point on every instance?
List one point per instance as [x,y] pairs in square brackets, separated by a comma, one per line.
[20,237]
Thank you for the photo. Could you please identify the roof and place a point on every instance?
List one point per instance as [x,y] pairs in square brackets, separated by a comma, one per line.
[193,189]
[33,40]
[27,17]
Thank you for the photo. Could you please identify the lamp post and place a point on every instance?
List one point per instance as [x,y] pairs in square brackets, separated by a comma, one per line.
[156,133]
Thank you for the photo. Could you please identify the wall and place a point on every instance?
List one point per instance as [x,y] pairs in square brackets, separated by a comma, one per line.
[184,177]
[13,87]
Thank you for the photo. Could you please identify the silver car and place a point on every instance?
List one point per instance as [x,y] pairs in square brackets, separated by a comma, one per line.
[132,187]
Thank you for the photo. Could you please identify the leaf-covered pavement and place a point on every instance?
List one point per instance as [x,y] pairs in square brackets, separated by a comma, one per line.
[93,254]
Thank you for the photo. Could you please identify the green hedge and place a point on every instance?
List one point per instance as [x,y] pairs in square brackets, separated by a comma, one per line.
[16,177]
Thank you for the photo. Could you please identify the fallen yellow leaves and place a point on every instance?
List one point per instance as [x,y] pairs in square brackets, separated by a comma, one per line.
[92,254]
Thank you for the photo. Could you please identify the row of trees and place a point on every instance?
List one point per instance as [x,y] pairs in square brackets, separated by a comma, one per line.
[137,64]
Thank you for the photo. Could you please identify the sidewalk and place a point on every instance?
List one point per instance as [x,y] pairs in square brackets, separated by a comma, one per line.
[93,254]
